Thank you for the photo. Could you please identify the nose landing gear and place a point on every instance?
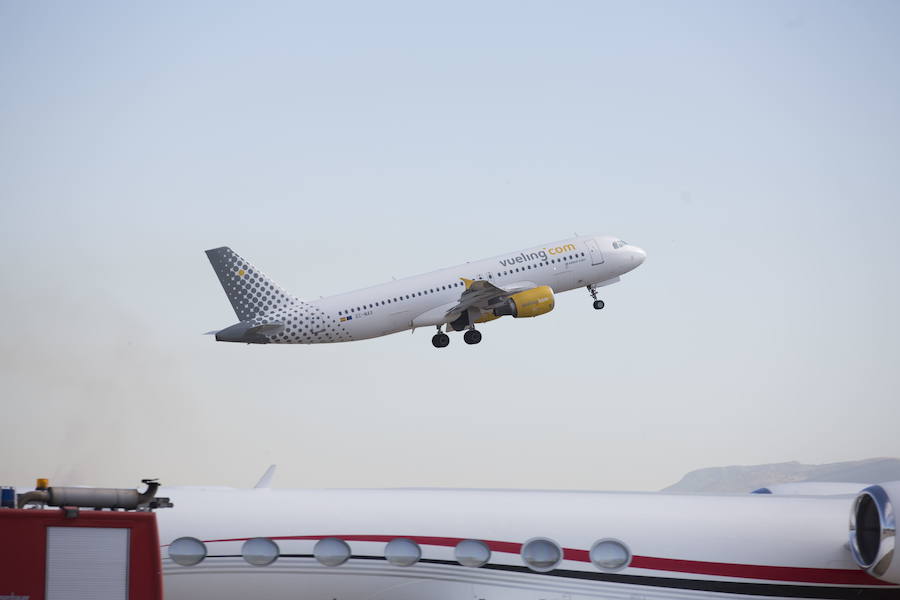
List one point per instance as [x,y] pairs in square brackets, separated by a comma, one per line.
[598,304]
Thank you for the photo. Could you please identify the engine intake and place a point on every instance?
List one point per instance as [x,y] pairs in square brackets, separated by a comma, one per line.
[530,303]
[873,531]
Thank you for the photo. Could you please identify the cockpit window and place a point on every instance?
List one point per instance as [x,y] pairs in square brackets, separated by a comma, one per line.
[619,243]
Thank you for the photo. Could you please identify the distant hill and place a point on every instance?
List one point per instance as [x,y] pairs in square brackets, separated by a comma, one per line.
[749,478]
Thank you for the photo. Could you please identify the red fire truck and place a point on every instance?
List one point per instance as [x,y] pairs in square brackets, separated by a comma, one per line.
[96,544]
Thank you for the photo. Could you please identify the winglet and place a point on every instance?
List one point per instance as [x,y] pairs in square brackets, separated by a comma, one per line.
[265,482]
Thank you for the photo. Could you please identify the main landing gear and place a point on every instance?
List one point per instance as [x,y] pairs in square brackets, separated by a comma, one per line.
[598,304]
[442,340]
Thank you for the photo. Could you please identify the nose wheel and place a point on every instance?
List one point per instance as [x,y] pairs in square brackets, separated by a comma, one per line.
[598,304]
[472,336]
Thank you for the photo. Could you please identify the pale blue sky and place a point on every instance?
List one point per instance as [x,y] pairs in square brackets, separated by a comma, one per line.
[752,148]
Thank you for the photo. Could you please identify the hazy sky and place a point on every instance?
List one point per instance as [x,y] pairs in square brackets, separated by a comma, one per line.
[752,148]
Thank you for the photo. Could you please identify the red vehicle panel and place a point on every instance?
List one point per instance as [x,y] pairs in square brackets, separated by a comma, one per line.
[23,551]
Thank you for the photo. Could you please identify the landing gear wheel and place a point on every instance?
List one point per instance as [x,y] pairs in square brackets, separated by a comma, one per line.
[598,304]
[440,340]
[472,336]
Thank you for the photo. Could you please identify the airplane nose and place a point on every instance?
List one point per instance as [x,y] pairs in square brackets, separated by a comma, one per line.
[638,256]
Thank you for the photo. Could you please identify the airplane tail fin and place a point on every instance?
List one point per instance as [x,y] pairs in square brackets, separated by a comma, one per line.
[265,482]
[250,291]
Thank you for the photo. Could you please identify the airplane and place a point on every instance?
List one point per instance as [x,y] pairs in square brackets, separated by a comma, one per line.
[519,284]
[789,541]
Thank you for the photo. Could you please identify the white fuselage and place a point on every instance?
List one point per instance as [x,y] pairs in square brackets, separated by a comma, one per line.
[396,305]
[682,546]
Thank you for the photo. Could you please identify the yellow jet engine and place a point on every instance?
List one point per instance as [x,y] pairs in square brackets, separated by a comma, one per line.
[530,303]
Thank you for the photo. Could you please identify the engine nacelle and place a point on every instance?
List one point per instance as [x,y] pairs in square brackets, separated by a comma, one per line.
[873,531]
[485,317]
[530,303]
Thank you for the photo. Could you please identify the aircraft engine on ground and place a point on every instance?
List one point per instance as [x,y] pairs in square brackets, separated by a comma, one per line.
[530,303]
[873,531]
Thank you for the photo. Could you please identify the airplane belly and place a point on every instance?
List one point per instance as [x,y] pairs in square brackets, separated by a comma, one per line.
[375,325]
[367,578]
[312,582]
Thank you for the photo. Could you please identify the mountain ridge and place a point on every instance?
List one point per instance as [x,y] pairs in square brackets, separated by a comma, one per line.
[746,478]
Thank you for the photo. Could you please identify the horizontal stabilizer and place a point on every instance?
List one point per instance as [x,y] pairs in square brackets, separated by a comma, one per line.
[249,333]
[267,328]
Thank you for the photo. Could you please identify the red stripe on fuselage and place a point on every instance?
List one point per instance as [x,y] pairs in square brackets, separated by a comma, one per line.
[694,567]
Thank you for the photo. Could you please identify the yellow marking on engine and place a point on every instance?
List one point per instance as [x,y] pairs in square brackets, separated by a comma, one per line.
[486,317]
[534,302]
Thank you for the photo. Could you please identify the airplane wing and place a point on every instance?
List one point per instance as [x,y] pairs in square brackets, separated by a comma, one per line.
[479,296]
[484,295]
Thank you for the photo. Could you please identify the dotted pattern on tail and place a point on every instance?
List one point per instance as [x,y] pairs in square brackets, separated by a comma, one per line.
[251,293]
[257,299]
[306,323]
